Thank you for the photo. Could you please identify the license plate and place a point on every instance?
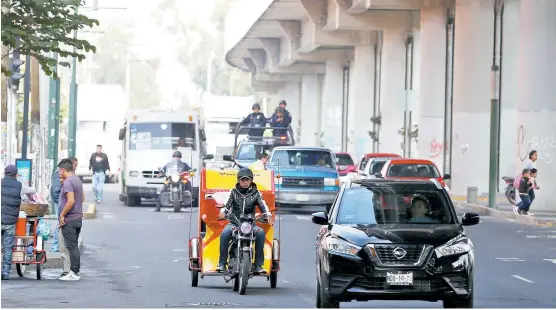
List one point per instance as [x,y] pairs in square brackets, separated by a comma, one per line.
[302,197]
[399,278]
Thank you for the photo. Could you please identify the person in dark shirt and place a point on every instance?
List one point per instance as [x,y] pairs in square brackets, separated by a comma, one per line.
[98,164]
[278,119]
[287,114]
[11,202]
[255,119]
[523,190]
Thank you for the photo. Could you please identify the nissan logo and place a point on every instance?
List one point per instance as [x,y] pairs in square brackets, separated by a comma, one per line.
[302,183]
[399,253]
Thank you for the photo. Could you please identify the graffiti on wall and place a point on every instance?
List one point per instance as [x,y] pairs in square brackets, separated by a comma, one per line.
[543,143]
[437,148]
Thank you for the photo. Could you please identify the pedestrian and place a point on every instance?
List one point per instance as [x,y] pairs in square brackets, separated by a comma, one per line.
[531,164]
[55,189]
[523,190]
[11,202]
[255,119]
[260,164]
[287,114]
[70,220]
[99,165]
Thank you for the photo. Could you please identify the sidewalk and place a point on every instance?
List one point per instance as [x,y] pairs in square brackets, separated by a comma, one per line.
[505,210]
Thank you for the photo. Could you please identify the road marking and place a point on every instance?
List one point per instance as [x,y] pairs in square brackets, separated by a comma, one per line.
[552,260]
[522,278]
[303,217]
[510,220]
[285,281]
[179,250]
[134,266]
[105,215]
[175,216]
[510,259]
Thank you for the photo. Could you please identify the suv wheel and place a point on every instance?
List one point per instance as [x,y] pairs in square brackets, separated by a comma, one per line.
[459,303]
[323,301]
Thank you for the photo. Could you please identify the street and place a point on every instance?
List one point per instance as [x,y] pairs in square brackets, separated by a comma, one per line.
[134,257]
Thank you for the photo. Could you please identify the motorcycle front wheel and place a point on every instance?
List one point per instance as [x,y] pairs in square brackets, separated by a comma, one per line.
[244,272]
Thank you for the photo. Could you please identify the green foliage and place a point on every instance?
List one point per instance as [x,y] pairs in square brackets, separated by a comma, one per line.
[45,26]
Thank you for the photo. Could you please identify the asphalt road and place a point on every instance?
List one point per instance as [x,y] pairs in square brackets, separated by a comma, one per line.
[134,257]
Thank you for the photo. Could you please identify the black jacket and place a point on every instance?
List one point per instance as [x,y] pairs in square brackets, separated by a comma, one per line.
[181,166]
[11,200]
[241,199]
[255,120]
[101,166]
[282,124]
[524,186]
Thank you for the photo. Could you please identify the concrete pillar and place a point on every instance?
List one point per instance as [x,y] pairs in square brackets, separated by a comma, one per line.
[509,88]
[360,108]
[432,85]
[536,93]
[393,95]
[474,28]
[291,93]
[310,110]
[332,105]
[414,94]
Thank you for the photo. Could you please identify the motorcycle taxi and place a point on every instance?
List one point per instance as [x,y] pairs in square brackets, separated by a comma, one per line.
[204,249]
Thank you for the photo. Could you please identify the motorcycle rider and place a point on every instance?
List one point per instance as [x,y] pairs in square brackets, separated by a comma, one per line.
[182,166]
[244,198]
[255,119]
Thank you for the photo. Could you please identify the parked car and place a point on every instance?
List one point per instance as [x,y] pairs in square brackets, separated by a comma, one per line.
[375,244]
[412,169]
[362,166]
[304,176]
[344,164]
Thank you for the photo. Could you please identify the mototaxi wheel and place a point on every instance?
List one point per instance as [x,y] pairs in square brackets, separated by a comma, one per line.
[273,279]
[244,271]
[194,278]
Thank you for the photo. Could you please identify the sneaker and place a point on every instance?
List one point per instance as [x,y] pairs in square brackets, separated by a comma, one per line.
[524,213]
[220,268]
[258,269]
[98,200]
[71,276]
[63,274]
[516,210]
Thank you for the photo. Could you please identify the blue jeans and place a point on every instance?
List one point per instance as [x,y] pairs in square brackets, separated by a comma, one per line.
[225,243]
[98,184]
[525,202]
[55,247]
[531,196]
[8,237]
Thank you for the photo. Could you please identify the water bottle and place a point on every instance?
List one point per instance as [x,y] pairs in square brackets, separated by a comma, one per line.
[30,250]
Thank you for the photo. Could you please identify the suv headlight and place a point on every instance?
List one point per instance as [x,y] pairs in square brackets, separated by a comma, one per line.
[175,178]
[457,246]
[340,246]
[331,182]
[134,173]
[277,181]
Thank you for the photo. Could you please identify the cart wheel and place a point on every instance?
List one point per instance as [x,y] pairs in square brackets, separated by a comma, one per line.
[39,266]
[20,269]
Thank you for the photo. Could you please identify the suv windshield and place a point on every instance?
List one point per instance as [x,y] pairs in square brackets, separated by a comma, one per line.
[413,170]
[344,160]
[394,204]
[289,158]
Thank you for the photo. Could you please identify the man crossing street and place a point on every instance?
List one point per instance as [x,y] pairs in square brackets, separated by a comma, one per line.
[98,164]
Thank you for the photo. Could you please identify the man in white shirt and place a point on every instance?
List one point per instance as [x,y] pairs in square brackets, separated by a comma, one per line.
[260,164]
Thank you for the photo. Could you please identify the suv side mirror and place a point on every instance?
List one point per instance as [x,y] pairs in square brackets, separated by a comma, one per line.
[319,218]
[378,175]
[208,157]
[227,158]
[469,219]
[447,176]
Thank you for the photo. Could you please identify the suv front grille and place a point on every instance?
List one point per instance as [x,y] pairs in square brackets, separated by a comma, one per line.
[149,174]
[419,285]
[303,182]
[386,252]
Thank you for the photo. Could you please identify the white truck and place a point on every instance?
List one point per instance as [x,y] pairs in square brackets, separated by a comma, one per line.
[149,138]
[101,109]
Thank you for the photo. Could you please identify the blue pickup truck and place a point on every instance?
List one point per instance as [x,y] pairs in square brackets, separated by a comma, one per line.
[308,175]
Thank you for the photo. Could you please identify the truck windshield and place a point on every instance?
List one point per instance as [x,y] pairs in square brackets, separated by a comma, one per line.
[249,151]
[161,136]
[288,158]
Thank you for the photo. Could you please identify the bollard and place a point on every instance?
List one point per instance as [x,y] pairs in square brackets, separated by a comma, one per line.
[472,195]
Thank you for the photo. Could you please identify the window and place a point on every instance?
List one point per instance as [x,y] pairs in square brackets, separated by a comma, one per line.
[162,136]
[394,204]
[363,163]
[376,166]
[249,151]
[413,170]
[344,160]
[289,158]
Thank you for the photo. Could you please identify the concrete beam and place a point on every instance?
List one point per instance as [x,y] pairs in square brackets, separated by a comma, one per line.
[315,9]
[313,36]
[278,77]
[268,87]
[299,69]
[340,19]
[359,6]
[259,58]
[272,49]
[251,66]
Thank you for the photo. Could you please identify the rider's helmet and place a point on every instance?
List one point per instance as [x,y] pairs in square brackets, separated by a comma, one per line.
[177,154]
[245,173]
[255,106]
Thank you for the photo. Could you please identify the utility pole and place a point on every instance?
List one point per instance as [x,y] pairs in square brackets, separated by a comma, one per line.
[26,90]
[54,118]
[495,106]
[72,124]
[35,105]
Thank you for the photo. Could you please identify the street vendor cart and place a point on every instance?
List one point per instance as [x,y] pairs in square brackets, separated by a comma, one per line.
[28,244]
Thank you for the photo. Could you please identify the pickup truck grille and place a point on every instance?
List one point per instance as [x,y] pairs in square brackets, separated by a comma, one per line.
[148,174]
[303,182]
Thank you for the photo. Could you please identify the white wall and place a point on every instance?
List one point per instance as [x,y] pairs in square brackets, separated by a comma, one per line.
[332,105]
[311,105]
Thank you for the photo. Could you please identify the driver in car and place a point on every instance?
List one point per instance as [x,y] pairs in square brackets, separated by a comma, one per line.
[181,167]
[244,198]
[419,210]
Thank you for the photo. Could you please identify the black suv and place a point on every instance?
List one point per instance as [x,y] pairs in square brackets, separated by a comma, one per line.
[394,240]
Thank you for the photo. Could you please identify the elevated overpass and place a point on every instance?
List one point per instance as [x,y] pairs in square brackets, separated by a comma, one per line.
[357,74]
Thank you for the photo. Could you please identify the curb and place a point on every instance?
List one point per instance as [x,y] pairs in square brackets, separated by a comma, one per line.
[525,220]
[54,259]
[91,212]
[479,198]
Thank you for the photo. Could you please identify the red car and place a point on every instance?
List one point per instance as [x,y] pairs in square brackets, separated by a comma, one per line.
[412,169]
[344,164]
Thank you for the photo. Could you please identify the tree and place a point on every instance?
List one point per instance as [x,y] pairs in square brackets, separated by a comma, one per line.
[45,26]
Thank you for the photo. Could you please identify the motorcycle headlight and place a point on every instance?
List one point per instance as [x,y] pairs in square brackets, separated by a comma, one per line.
[175,178]
[331,182]
[245,227]
[457,246]
[340,246]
